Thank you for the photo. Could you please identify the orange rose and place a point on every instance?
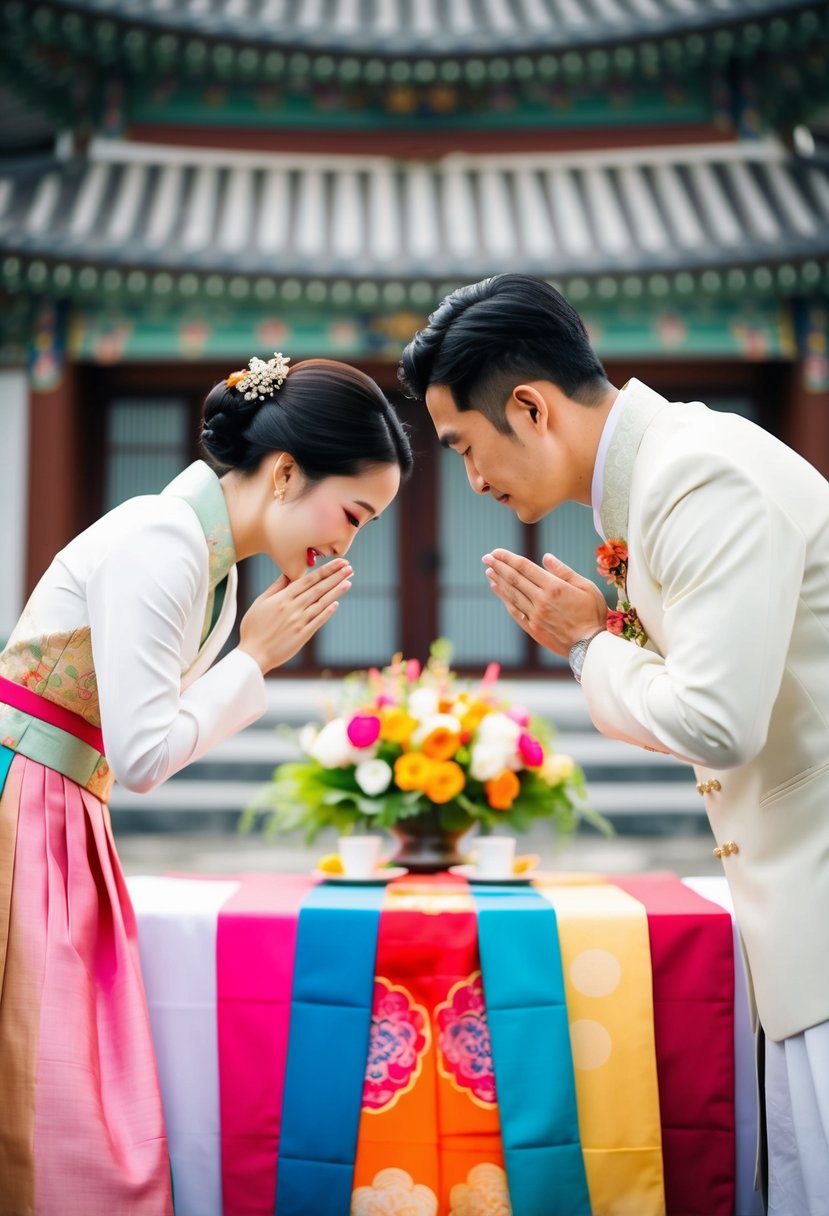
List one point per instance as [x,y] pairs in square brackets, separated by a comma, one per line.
[412,771]
[441,743]
[502,790]
[445,782]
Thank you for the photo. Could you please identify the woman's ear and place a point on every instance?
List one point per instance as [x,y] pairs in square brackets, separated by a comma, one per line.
[283,470]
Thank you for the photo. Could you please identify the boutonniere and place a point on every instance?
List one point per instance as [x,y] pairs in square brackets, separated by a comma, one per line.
[612,564]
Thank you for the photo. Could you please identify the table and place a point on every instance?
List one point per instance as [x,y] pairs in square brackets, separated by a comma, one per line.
[582,1044]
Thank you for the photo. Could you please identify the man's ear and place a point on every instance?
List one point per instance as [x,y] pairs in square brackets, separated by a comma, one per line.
[528,409]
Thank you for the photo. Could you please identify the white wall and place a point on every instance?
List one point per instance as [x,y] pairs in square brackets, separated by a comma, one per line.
[14,464]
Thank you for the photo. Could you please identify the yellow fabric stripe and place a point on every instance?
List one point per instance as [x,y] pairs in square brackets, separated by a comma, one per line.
[605,950]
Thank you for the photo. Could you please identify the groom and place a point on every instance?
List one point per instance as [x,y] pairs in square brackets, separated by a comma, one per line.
[716,536]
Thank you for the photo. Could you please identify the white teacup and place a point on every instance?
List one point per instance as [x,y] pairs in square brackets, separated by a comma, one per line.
[360,855]
[495,856]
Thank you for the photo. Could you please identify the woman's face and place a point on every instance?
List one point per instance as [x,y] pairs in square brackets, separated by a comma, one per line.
[316,520]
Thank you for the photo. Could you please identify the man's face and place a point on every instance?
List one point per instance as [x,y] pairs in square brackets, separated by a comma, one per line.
[513,468]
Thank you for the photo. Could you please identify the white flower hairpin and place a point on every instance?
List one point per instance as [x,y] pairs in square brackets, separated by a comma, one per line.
[261,378]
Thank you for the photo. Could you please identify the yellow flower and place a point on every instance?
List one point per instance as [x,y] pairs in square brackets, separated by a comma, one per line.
[444,782]
[502,790]
[474,716]
[557,768]
[396,725]
[441,743]
[412,771]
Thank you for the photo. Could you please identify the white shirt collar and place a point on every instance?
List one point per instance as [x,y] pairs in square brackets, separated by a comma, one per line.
[597,487]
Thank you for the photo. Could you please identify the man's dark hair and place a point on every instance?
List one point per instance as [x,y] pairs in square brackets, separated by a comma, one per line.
[485,338]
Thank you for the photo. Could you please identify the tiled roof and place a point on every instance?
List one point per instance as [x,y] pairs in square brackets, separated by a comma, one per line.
[436,27]
[202,213]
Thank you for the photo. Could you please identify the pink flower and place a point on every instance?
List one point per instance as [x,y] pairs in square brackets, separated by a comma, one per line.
[519,714]
[615,621]
[491,674]
[412,670]
[363,730]
[532,753]
[384,699]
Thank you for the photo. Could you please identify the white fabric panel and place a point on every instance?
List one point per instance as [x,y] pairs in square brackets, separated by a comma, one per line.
[748,1201]
[177,921]
[797,1107]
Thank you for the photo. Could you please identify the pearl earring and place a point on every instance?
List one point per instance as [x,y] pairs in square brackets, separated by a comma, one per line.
[280,493]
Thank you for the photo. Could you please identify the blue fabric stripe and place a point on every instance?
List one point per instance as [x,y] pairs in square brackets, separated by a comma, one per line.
[534,1079]
[331,1001]
[6,757]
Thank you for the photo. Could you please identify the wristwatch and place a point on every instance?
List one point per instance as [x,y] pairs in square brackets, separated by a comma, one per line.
[577,652]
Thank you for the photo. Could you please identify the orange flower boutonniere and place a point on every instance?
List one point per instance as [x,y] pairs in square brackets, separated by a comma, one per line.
[612,564]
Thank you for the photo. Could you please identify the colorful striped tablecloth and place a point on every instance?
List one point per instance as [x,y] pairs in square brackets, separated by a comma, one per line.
[433,1048]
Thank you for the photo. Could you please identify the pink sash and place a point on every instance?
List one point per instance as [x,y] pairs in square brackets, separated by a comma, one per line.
[36,706]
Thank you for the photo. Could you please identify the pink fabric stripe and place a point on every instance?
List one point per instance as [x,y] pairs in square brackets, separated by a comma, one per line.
[98,1129]
[47,711]
[255,948]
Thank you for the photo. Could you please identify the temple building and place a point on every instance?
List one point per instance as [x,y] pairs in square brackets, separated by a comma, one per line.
[185,183]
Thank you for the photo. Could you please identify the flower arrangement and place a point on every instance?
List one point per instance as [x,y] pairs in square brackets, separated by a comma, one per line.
[408,740]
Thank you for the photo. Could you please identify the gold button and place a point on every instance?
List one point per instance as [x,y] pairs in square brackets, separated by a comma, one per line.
[708,787]
[718,853]
[729,848]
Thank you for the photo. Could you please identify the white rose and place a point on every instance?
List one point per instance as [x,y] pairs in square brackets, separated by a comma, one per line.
[332,746]
[487,761]
[435,722]
[423,703]
[306,737]
[373,777]
[557,768]
[500,730]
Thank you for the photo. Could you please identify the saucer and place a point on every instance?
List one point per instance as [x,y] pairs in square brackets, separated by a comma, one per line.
[378,879]
[508,880]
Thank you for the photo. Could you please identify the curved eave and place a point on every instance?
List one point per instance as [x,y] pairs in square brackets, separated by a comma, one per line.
[337,27]
[149,39]
[134,220]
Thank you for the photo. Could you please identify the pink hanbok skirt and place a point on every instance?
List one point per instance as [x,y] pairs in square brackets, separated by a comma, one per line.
[81,1124]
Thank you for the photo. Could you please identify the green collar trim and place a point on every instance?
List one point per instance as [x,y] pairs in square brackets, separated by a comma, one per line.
[199,486]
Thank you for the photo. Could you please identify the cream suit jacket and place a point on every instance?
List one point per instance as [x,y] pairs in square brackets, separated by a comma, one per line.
[728,539]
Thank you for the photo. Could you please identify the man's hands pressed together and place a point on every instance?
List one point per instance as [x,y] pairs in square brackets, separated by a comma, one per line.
[551,603]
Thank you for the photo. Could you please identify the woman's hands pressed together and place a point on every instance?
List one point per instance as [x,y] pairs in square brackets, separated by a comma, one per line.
[553,604]
[283,618]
